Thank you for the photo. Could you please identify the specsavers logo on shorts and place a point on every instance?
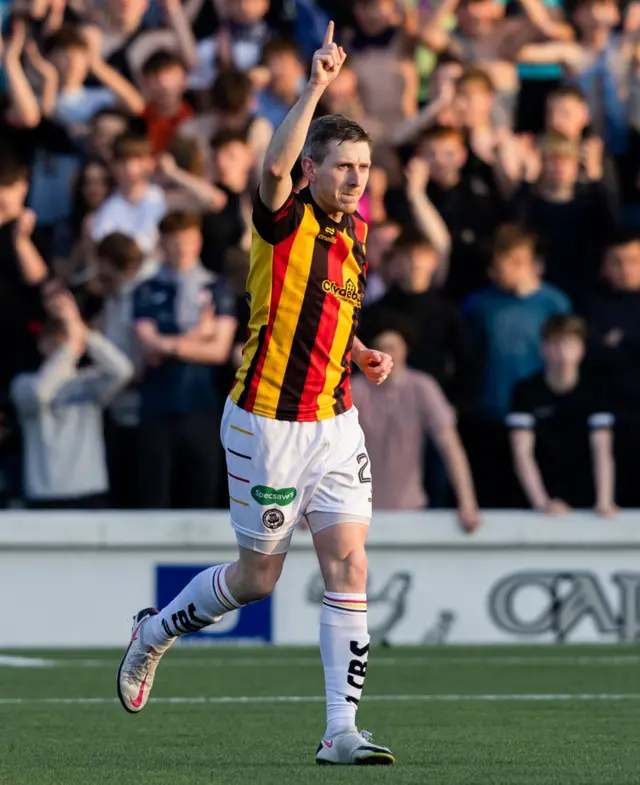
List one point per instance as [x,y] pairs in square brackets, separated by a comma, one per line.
[265,495]
[349,292]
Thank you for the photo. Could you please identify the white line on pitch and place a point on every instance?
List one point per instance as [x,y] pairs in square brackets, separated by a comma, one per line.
[311,661]
[269,699]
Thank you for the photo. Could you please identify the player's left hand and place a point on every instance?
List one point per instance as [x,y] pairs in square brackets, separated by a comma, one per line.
[376,366]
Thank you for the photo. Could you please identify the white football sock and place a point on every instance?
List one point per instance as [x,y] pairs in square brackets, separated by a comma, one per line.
[201,601]
[344,645]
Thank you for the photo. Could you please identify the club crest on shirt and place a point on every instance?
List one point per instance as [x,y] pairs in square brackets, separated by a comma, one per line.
[348,293]
[272,519]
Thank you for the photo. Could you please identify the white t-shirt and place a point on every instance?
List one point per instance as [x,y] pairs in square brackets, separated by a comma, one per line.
[79,106]
[138,220]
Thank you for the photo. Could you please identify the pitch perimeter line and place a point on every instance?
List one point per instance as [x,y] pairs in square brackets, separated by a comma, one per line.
[271,699]
[177,661]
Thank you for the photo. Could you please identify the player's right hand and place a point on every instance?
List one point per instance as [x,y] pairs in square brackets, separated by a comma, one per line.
[327,61]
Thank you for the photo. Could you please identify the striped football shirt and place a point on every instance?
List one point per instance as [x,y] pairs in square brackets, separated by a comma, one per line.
[305,288]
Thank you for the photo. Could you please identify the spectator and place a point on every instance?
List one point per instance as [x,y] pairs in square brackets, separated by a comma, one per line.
[239,43]
[126,45]
[599,64]
[60,408]
[74,56]
[575,221]
[561,437]
[613,356]
[505,320]
[440,347]
[164,81]
[471,205]
[121,269]
[380,239]
[185,323]
[286,78]
[395,418]
[232,110]
[231,167]
[105,127]
[137,206]
[381,54]
[22,272]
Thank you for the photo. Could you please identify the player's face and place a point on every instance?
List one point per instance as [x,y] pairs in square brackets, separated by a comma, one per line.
[340,180]
[563,351]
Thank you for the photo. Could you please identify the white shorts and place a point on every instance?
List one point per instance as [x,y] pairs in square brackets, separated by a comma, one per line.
[280,472]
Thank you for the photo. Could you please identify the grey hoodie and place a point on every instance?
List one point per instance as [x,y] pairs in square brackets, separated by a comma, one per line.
[60,409]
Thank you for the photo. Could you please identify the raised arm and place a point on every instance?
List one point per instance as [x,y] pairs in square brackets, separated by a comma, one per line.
[121,87]
[427,218]
[288,141]
[24,110]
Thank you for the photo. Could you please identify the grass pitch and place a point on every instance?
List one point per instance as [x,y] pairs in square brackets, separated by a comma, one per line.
[230,716]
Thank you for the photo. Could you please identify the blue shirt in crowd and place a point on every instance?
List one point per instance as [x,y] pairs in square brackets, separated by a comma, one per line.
[175,301]
[507,329]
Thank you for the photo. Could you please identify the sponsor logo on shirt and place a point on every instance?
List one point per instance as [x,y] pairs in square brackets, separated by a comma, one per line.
[263,494]
[348,293]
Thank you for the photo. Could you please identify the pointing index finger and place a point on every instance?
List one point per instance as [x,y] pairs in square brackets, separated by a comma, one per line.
[328,36]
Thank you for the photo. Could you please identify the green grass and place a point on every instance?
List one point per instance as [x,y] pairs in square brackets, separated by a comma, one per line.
[452,741]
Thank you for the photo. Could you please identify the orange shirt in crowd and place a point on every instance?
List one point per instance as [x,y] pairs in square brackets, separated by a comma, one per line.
[161,130]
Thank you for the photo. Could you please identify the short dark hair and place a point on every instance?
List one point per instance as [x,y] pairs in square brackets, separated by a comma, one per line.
[111,111]
[280,46]
[478,76]
[188,154]
[568,91]
[562,325]
[67,37]
[12,169]
[408,241]
[162,61]
[624,236]
[180,221]
[120,250]
[131,145]
[331,128]
[510,236]
[227,136]
[232,91]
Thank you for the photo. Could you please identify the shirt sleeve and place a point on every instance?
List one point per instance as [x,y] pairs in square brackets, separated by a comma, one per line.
[275,227]
[521,416]
[223,299]
[143,307]
[437,412]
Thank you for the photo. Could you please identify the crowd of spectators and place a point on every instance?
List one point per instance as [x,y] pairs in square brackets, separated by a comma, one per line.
[504,242]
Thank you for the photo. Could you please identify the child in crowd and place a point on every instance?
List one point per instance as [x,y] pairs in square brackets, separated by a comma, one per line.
[137,206]
[60,407]
[164,81]
[561,435]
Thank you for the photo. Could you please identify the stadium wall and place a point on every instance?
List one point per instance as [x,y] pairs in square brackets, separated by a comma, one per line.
[73,579]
